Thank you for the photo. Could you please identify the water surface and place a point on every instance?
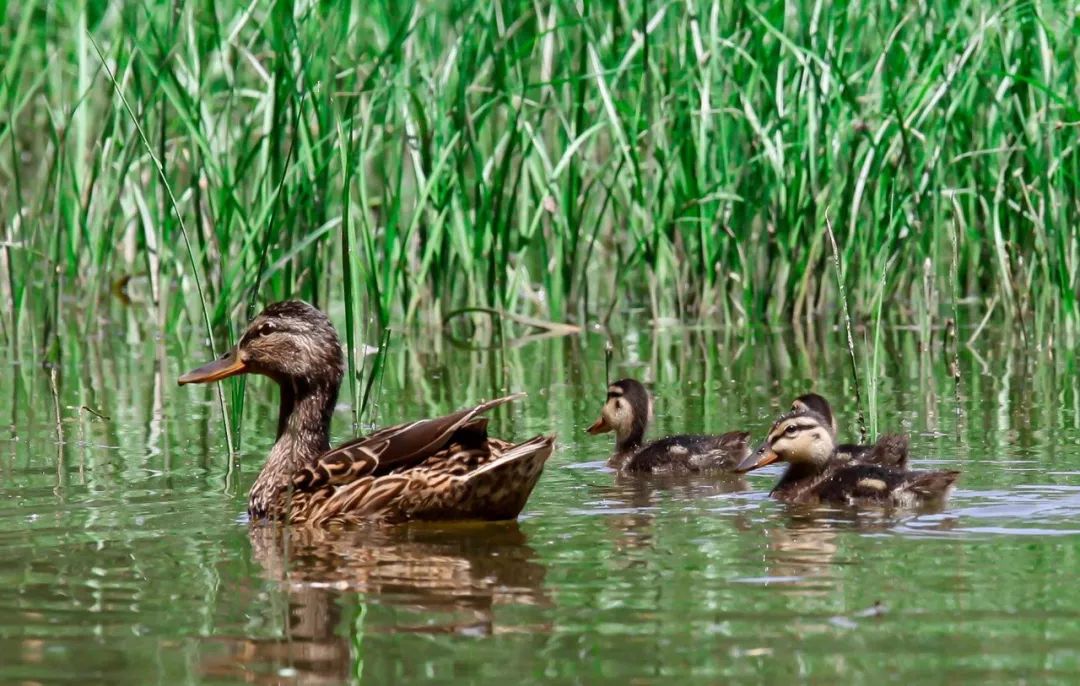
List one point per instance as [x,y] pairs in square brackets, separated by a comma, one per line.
[127,557]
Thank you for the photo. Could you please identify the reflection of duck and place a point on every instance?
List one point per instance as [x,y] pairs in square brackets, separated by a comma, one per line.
[890,449]
[804,439]
[433,469]
[627,412]
[444,578]
[801,552]
[631,502]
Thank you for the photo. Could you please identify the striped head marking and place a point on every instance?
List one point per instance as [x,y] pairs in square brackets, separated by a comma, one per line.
[797,437]
[812,402]
[627,410]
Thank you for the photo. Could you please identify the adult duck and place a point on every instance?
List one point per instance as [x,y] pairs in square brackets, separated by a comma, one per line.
[429,469]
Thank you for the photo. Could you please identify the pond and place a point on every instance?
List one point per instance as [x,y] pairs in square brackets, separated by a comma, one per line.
[127,557]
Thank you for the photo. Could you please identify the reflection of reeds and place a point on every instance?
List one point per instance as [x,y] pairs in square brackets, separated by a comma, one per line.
[144,470]
[704,381]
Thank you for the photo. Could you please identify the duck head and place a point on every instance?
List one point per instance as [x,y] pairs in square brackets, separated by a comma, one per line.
[291,342]
[812,402]
[800,437]
[627,411]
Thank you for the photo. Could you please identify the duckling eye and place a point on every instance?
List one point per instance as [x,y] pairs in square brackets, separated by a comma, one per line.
[791,430]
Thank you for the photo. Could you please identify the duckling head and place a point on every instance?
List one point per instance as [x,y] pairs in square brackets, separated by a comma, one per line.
[812,402]
[627,411]
[798,437]
[291,342]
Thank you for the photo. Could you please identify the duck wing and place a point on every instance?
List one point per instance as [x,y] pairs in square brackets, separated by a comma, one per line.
[397,448]
[488,482]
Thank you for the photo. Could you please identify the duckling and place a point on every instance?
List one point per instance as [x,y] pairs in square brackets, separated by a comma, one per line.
[816,474]
[891,450]
[627,412]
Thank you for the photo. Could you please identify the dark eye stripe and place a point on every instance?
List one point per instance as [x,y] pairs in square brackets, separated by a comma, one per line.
[796,427]
[262,330]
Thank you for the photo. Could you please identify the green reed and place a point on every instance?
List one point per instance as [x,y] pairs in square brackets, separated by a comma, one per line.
[556,160]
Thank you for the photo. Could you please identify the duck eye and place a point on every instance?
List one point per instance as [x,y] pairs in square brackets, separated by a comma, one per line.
[791,430]
[264,329]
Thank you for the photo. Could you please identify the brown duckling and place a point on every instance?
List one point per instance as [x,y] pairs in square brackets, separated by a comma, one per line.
[627,412]
[890,450]
[429,469]
[815,474]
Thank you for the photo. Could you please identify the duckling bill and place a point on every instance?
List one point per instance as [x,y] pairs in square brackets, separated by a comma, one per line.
[817,474]
[429,469]
[628,411]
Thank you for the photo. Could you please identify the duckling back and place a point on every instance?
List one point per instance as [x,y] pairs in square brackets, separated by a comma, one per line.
[862,484]
[687,454]
[891,450]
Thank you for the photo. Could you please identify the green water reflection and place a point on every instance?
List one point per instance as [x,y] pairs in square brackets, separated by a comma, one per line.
[127,559]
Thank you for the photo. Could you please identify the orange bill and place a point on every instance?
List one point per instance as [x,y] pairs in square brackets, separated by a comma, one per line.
[222,368]
[764,455]
[600,426]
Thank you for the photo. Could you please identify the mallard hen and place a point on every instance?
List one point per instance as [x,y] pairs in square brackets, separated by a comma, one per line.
[429,469]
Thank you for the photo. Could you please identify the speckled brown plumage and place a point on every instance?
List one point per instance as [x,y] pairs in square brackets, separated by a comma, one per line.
[443,468]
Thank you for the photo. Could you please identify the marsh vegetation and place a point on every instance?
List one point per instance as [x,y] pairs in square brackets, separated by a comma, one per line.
[740,201]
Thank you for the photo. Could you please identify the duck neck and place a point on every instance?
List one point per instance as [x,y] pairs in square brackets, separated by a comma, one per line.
[304,416]
[303,434]
[796,474]
[631,440]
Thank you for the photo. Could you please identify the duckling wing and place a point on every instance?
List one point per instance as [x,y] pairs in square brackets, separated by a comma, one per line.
[856,484]
[891,450]
[396,448]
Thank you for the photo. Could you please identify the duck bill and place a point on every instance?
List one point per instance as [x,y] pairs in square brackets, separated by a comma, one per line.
[219,369]
[600,426]
[761,457]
